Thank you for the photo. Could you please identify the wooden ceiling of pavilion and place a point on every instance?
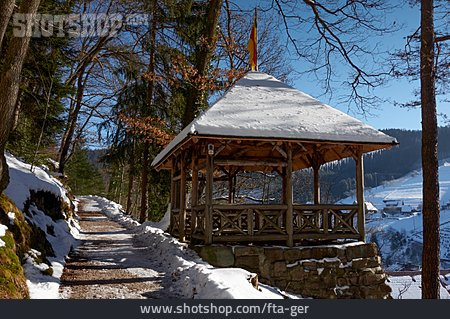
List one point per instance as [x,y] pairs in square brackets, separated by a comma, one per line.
[257,154]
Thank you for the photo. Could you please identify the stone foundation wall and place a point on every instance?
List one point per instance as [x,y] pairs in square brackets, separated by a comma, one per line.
[335,271]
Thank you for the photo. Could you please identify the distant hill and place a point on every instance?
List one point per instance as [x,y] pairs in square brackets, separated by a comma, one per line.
[379,167]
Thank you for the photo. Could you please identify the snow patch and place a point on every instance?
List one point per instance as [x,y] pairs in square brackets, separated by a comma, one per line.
[22,180]
[61,235]
[3,230]
[12,217]
[410,287]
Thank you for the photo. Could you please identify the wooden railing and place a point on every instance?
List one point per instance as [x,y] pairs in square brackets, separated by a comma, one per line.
[257,223]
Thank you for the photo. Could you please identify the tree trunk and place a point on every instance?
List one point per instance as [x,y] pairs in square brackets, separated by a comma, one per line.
[146,112]
[130,179]
[72,120]
[9,87]
[195,97]
[6,10]
[431,209]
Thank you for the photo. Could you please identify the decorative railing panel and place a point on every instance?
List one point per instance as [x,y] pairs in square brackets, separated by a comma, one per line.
[234,223]
[325,221]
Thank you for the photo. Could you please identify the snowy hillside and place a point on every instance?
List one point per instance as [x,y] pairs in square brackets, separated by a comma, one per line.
[42,268]
[399,235]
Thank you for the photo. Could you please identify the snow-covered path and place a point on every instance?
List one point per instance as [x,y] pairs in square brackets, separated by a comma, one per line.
[108,264]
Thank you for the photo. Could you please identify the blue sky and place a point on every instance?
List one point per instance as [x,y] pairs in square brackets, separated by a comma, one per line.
[386,115]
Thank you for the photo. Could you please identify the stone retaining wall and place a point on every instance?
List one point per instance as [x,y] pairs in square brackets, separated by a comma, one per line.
[334,271]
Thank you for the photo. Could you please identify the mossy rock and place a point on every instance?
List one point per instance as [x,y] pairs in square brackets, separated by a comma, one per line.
[25,236]
[218,256]
[12,279]
[20,230]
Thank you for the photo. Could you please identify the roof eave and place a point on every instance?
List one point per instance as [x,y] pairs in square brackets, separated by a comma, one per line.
[158,165]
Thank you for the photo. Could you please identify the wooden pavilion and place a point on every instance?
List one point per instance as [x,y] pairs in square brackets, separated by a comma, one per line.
[262,124]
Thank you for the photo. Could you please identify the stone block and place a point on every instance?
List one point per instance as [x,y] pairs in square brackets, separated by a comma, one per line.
[323,252]
[361,251]
[250,263]
[341,281]
[248,251]
[274,254]
[292,255]
[218,256]
[359,263]
[296,273]
[279,270]
[265,268]
[374,262]
[310,265]
[296,286]
[372,279]
[282,284]
[354,281]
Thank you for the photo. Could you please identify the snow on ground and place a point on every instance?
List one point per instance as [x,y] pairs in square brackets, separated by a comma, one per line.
[62,237]
[3,230]
[407,190]
[409,287]
[191,276]
[60,234]
[22,181]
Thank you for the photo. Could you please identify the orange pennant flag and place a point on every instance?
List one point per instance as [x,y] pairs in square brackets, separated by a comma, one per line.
[253,46]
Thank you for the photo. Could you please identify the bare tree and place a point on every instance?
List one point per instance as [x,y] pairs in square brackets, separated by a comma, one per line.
[234,32]
[9,87]
[335,41]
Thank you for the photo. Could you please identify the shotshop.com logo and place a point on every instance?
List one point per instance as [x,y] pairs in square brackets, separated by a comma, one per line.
[75,25]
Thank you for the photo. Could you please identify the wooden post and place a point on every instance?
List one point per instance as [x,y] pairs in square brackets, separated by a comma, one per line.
[208,199]
[289,199]
[230,185]
[194,194]
[316,170]
[283,185]
[360,196]
[182,215]
[172,197]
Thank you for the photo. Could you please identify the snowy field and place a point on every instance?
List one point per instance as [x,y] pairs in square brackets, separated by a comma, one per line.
[408,190]
[409,287]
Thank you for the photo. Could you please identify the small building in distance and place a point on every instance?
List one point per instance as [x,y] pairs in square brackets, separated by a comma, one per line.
[370,208]
[392,206]
[446,206]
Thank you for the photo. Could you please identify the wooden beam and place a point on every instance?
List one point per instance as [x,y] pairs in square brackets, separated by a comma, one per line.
[316,170]
[249,163]
[289,198]
[182,222]
[172,195]
[283,185]
[230,186]
[360,196]
[281,151]
[208,199]
[194,192]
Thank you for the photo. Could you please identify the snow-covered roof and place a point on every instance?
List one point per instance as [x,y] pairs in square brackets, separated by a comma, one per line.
[370,207]
[260,106]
